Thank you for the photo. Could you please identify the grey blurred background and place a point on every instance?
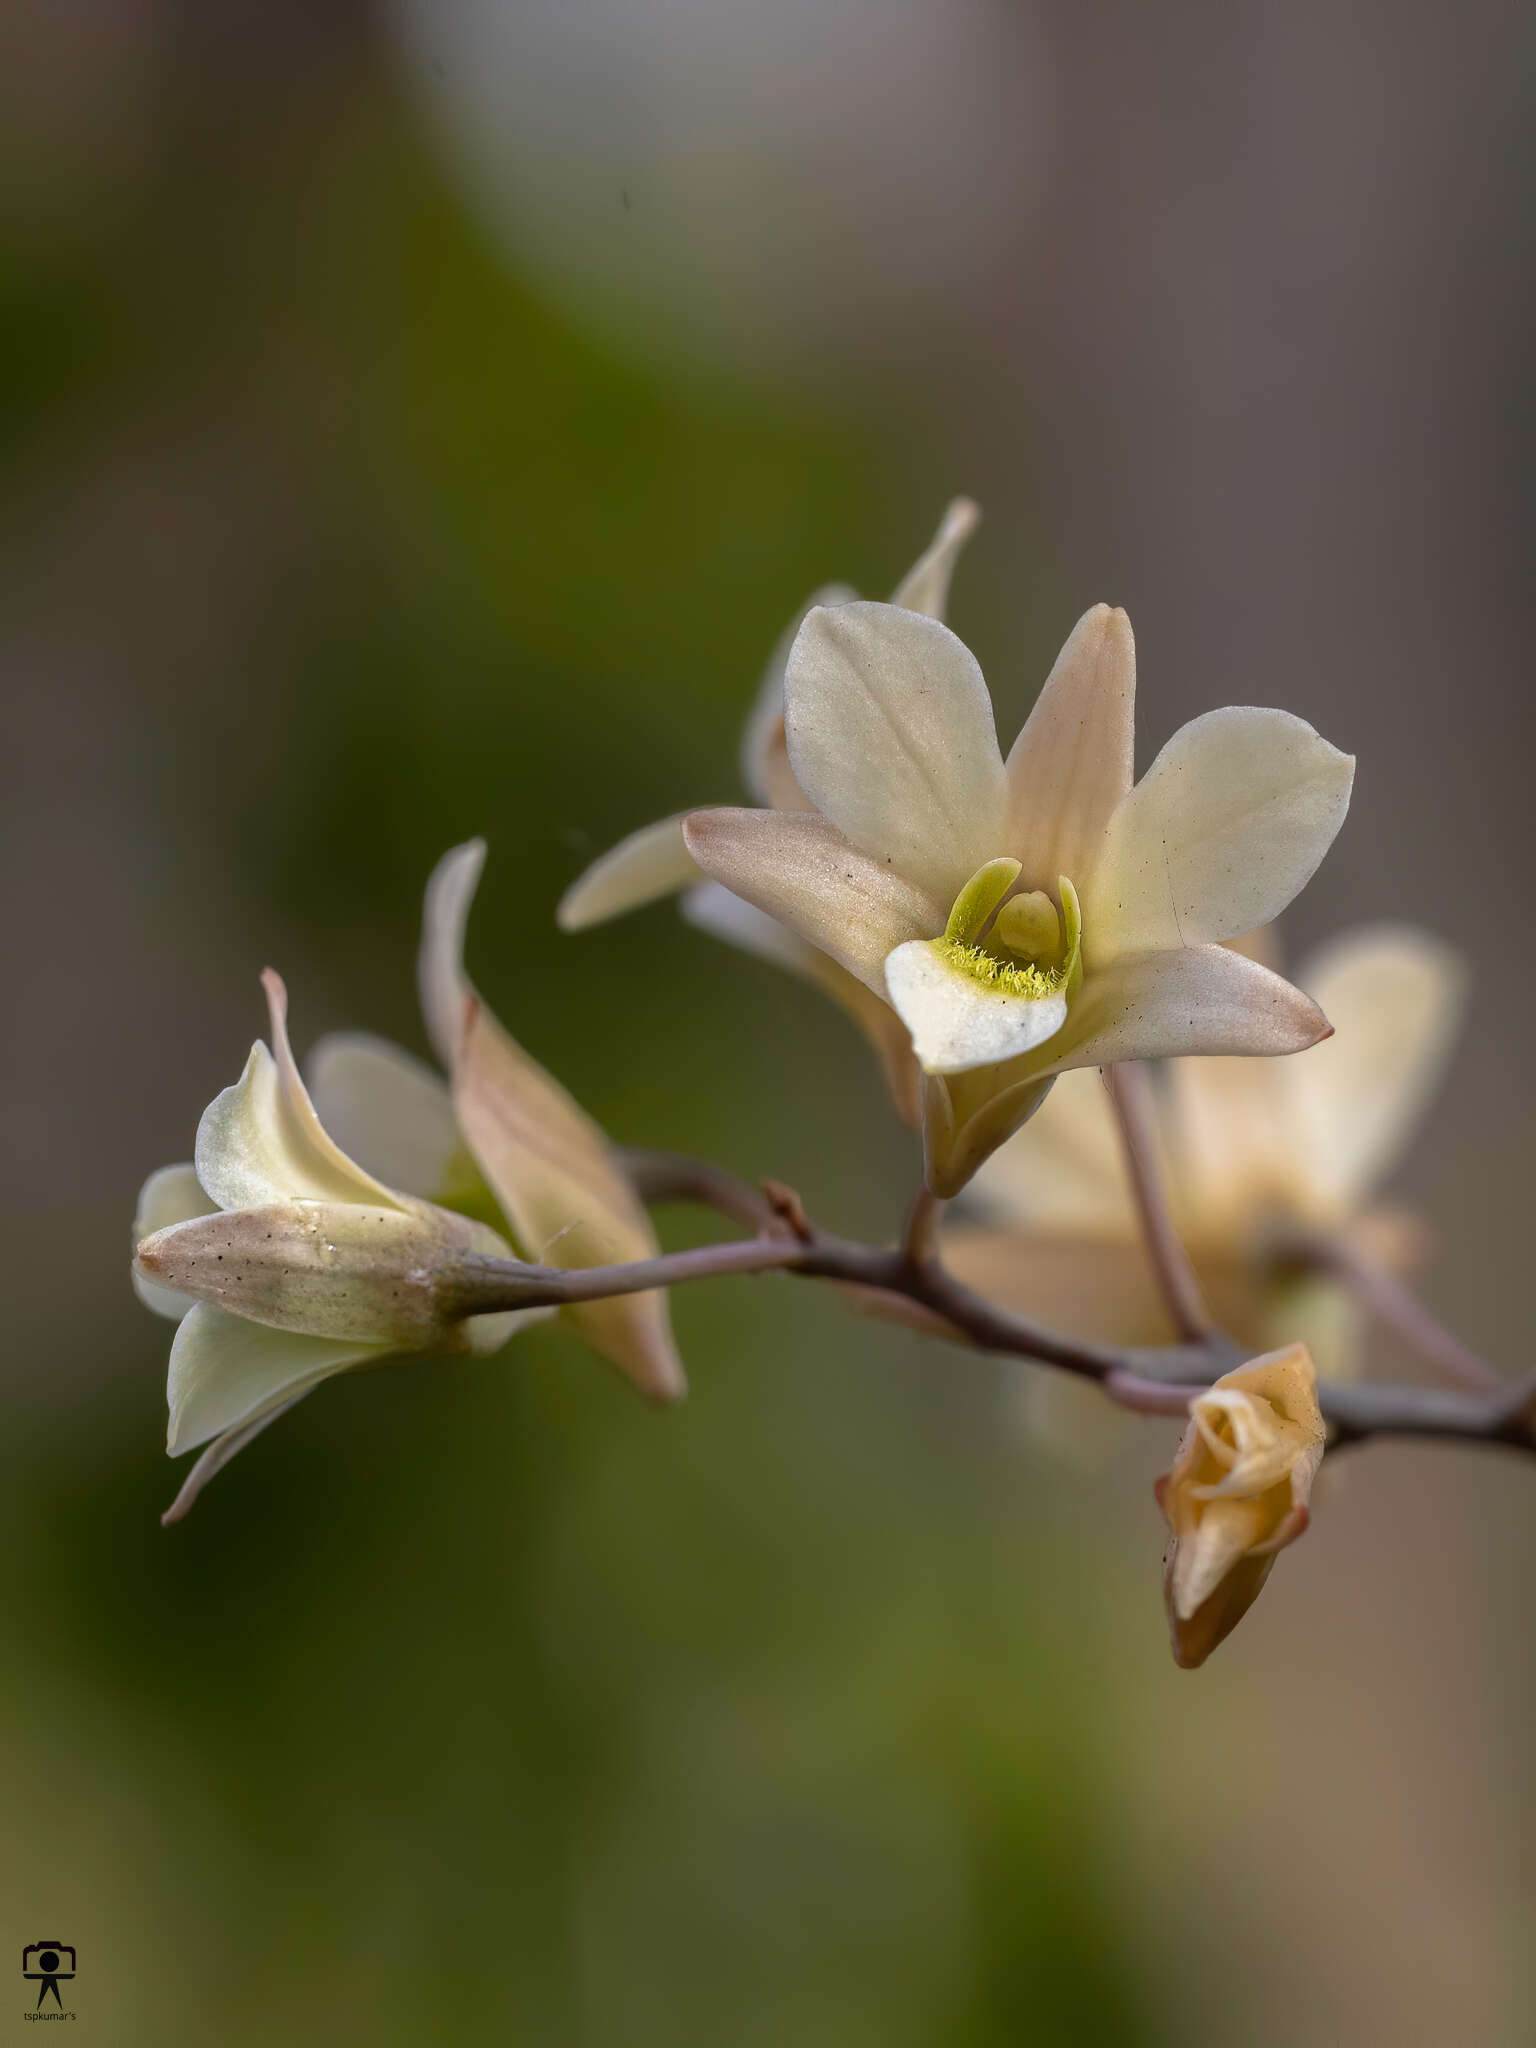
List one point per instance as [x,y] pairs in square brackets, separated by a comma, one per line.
[422,422]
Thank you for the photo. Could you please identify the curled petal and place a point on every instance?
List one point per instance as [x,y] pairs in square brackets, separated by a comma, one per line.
[1395,997]
[891,737]
[958,1022]
[804,874]
[925,587]
[172,1195]
[227,1373]
[261,1142]
[649,864]
[444,988]
[1226,826]
[391,1112]
[1072,764]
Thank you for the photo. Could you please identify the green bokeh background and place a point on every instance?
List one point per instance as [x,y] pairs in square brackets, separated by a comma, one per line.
[479,1701]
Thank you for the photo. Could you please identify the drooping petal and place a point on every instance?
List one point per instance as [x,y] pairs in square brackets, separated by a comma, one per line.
[802,872]
[1395,998]
[226,1372]
[958,1022]
[1226,826]
[444,988]
[648,865]
[1205,999]
[1073,762]
[216,1457]
[925,587]
[564,1195]
[891,737]
[765,768]
[1065,1171]
[173,1194]
[391,1112]
[261,1142]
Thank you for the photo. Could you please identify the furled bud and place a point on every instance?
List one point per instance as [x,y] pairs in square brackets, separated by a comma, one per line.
[1237,1493]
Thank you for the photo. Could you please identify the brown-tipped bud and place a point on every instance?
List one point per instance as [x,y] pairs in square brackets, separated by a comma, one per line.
[348,1270]
[1237,1493]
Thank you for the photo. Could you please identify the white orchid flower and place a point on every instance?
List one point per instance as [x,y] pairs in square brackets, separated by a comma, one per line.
[1030,916]
[504,1141]
[655,861]
[284,1262]
[1237,1493]
[1257,1155]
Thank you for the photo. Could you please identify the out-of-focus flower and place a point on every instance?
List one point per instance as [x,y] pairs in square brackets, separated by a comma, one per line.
[1237,1493]
[284,1262]
[1028,917]
[1258,1157]
[504,1141]
[655,862]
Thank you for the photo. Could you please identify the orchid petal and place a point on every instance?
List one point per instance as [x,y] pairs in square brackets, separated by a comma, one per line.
[891,737]
[226,1372]
[444,988]
[765,768]
[391,1112]
[957,1021]
[173,1194]
[802,872]
[925,587]
[1205,999]
[1073,762]
[711,908]
[1395,997]
[260,1141]
[1226,826]
[1065,1171]
[648,865]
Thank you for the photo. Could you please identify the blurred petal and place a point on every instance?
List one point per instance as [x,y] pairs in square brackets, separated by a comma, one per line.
[226,1372]
[1237,1143]
[391,1112]
[765,768]
[925,587]
[713,909]
[1395,998]
[442,984]
[1226,826]
[172,1195]
[261,1142]
[564,1195]
[1073,762]
[1065,1170]
[891,737]
[1205,999]
[958,1022]
[216,1457]
[802,872]
[1097,1288]
[649,864]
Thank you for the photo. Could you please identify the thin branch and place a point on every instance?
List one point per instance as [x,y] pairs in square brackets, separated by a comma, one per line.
[670,1177]
[1399,1309]
[1128,1087]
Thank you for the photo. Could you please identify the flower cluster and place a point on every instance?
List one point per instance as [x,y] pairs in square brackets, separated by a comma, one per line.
[998,928]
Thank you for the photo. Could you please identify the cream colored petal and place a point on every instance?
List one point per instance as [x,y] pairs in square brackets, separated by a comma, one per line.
[172,1195]
[225,1372]
[261,1141]
[1205,999]
[563,1194]
[891,737]
[958,1022]
[1065,1170]
[649,864]
[765,768]
[1226,826]
[925,587]
[1395,997]
[1096,1288]
[802,872]
[390,1112]
[1236,1144]
[444,988]
[217,1456]
[1073,762]
[713,909]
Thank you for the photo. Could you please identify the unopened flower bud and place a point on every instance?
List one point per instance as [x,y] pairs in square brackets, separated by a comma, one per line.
[1237,1494]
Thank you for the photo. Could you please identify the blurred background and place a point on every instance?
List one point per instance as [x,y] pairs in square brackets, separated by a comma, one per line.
[423,422]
